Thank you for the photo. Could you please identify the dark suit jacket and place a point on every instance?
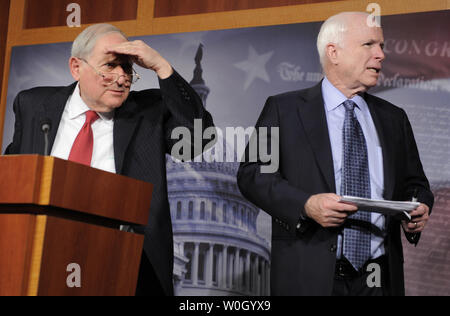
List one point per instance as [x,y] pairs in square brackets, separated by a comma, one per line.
[303,259]
[142,138]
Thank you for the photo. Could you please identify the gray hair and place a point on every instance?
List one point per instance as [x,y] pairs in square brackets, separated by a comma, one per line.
[332,31]
[83,45]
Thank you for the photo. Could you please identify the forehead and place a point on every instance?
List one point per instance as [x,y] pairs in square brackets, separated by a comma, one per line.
[361,31]
[110,39]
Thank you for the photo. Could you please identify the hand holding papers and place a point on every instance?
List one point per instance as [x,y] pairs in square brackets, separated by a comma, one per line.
[398,209]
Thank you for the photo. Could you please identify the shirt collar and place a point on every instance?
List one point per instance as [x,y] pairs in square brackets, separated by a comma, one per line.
[77,106]
[333,98]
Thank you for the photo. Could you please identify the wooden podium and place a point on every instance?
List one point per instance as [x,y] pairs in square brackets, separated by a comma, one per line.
[59,228]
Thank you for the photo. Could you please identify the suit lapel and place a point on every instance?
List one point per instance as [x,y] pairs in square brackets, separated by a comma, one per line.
[125,123]
[52,111]
[312,115]
[383,124]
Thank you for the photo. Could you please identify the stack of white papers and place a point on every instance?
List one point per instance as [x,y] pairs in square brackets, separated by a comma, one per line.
[394,208]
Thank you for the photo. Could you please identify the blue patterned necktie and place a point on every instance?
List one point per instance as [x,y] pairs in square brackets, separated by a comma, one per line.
[355,182]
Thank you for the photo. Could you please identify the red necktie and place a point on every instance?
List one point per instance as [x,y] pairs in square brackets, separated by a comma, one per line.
[84,143]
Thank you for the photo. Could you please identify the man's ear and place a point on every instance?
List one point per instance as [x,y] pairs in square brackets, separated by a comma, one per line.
[74,66]
[332,53]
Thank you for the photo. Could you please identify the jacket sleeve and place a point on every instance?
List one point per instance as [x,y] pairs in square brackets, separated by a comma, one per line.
[14,147]
[415,181]
[184,111]
[269,190]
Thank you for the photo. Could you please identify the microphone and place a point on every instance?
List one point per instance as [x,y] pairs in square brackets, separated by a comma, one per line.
[46,126]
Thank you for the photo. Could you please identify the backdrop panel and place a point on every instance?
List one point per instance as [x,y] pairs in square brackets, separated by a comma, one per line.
[222,242]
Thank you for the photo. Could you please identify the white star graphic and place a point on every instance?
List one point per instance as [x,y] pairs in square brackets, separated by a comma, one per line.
[254,66]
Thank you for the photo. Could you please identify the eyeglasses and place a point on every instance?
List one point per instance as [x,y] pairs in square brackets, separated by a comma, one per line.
[110,77]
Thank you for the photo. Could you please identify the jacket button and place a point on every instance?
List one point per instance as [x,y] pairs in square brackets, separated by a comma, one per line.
[333,248]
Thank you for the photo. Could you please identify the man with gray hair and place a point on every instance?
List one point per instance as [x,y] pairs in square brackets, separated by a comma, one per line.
[336,139]
[97,121]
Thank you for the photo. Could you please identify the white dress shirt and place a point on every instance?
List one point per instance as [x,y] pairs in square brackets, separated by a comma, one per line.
[72,120]
[335,114]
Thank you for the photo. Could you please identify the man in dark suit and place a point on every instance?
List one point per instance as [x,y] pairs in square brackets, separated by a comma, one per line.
[336,139]
[130,131]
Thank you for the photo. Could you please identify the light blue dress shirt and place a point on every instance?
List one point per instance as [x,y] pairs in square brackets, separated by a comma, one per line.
[335,114]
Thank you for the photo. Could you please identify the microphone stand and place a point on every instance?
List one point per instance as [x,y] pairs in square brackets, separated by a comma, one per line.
[45,127]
